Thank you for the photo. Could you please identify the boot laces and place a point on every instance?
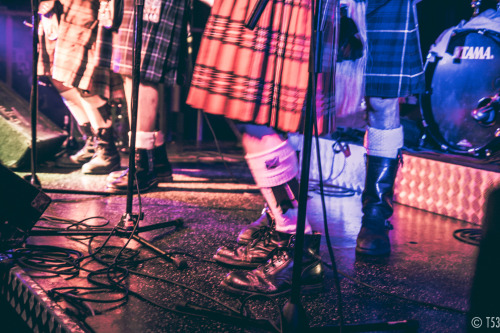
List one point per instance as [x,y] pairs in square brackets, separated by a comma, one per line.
[263,235]
[280,254]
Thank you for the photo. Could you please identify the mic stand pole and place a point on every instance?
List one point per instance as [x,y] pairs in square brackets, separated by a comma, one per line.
[294,315]
[128,217]
[33,179]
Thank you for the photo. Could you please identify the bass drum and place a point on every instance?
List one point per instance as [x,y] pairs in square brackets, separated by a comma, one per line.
[460,105]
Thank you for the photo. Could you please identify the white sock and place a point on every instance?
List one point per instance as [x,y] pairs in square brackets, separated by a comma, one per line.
[145,140]
[91,105]
[73,101]
[272,168]
[384,143]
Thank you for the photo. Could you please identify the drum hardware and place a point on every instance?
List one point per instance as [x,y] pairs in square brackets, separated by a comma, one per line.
[478,4]
[487,110]
[475,4]
[461,104]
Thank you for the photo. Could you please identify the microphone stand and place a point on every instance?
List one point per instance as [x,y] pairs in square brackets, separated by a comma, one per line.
[33,179]
[129,218]
[294,316]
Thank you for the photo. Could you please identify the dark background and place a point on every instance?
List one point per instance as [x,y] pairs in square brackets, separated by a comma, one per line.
[435,16]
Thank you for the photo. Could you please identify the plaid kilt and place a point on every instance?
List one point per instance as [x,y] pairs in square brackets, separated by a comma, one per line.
[394,65]
[104,81]
[75,57]
[69,58]
[160,43]
[261,75]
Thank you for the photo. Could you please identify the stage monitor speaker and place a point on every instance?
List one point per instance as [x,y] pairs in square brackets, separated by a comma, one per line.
[15,132]
[484,312]
[21,205]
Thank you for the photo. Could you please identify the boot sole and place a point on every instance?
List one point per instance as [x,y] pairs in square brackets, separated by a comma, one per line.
[125,190]
[305,289]
[160,179]
[102,171]
[237,264]
[371,252]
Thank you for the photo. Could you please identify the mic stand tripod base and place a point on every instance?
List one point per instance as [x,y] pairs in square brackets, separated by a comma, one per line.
[127,224]
[122,231]
[128,221]
[294,318]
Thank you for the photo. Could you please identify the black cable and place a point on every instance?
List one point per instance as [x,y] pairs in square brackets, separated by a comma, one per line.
[48,259]
[320,171]
[178,284]
[218,149]
[469,236]
[327,234]
[404,298]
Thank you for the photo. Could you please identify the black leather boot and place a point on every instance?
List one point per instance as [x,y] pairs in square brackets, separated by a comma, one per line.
[275,276]
[146,178]
[106,157]
[161,167]
[82,156]
[373,238]
[250,232]
[255,253]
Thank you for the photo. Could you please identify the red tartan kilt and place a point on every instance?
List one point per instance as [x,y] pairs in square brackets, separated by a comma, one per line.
[259,75]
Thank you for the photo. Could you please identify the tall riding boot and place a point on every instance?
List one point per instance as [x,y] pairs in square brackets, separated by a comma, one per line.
[373,238]
[144,170]
[275,276]
[106,157]
[82,156]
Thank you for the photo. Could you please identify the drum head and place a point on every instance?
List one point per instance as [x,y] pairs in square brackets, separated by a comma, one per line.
[468,72]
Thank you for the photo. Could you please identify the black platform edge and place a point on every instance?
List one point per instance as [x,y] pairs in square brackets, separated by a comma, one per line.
[31,302]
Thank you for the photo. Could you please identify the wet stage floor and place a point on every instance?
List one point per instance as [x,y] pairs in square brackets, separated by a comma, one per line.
[426,278]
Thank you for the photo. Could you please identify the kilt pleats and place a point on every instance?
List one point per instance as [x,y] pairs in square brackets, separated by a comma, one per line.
[160,42]
[261,75]
[70,58]
[395,65]
[80,56]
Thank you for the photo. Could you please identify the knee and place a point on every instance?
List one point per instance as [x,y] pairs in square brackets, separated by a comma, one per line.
[383,113]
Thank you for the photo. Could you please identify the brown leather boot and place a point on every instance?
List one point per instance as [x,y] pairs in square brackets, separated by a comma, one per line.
[82,156]
[275,276]
[250,232]
[255,253]
[106,157]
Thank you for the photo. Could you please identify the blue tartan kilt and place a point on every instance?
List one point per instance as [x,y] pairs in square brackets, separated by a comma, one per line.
[160,43]
[394,65]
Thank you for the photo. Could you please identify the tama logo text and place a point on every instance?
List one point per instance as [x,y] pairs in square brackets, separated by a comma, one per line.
[473,52]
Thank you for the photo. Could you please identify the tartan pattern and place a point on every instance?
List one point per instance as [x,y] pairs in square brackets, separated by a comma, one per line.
[105,82]
[160,43]
[69,58]
[81,55]
[394,66]
[260,75]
